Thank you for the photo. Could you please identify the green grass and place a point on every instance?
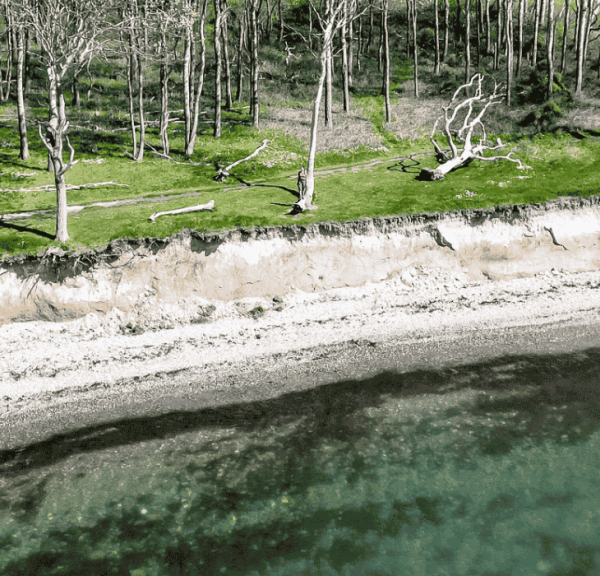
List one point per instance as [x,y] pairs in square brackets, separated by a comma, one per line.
[560,165]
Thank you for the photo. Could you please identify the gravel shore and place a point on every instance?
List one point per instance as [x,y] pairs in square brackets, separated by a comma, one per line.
[42,359]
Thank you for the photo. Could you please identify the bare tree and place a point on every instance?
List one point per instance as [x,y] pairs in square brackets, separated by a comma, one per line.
[436,66]
[225,34]
[509,50]
[331,21]
[67,31]
[192,92]
[135,13]
[253,8]
[581,26]
[218,66]
[345,67]
[23,143]
[11,42]
[461,112]
[386,62]
[565,37]
[520,25]
[551,33]
[413,18]
[468,40]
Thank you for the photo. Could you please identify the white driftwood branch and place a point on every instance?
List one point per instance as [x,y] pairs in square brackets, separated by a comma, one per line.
[199,208]
[224,172]
[454,158]
[69,187]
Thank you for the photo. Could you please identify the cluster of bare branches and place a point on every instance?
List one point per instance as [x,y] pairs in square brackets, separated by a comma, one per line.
[470,110]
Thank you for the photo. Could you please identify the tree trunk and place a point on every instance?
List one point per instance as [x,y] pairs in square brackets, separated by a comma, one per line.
[468,41]
[350,50]
[345,72]
[359,42]
[312,149]
[130,77]
[53,142]
[329,90]
[479,27]
[228,96]
[240,61]
[509,48]
[550,55]
[488,28]
[280,20]
[386,63]
[140,75]
[536,30]
[436,65]
[446,28]
[408,27]
[254,109]
[164,104]
[218,66]
[310,27]
[563,58]
[27,68]
[370,36]
[520,52]
[581,27]
[415,48]
[189,147]
[187,88]
[54,115]
[591,10]
[11,56]
[23,143]
[458,24]
[62,234]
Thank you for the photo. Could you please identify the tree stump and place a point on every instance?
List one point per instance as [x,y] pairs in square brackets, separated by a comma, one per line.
[301,182]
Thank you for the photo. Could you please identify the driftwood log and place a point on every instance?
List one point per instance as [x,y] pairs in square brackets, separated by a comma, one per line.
[224,172]
[69,187]
[199,208]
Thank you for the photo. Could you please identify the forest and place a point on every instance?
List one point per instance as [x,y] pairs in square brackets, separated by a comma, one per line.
[159,100]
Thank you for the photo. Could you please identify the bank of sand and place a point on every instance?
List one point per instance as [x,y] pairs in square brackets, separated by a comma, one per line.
[422,318]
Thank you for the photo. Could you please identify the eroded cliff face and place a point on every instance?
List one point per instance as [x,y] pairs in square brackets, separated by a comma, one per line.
[193,267]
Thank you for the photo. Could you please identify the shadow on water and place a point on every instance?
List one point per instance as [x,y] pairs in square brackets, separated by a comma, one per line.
[312,482]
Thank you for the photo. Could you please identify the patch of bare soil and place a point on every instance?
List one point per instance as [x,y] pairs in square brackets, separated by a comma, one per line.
[414,118]
[349,130]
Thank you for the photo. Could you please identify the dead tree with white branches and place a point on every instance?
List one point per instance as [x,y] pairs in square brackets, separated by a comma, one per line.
[458,111]
[69,33]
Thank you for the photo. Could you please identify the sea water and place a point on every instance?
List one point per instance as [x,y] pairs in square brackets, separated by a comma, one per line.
[486,468]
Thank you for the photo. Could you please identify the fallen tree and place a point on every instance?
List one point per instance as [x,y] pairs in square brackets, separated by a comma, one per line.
[224,172]
[199,208]
[454,158]
[69,187]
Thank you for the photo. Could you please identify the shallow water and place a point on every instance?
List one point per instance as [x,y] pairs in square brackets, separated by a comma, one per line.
[486,468]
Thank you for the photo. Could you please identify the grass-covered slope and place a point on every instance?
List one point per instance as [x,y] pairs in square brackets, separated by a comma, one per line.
[366,168]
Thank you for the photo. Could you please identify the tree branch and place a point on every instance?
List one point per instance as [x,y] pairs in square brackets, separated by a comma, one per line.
[199,208]
[224,172]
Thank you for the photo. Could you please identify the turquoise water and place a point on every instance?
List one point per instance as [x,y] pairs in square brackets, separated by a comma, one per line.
[490,468]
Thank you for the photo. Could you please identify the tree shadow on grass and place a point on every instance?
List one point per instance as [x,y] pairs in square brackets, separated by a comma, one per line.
[41,233]
[290,190]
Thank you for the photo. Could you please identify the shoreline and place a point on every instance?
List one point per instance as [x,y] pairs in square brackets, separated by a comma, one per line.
[84,373]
